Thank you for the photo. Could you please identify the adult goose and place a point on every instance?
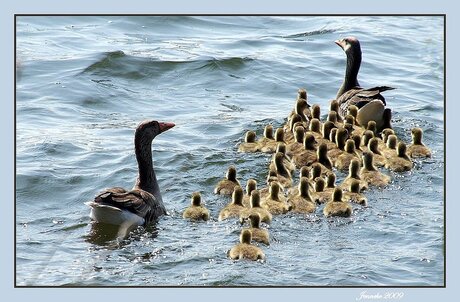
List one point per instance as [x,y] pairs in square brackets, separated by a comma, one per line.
[142,204]
[371,104]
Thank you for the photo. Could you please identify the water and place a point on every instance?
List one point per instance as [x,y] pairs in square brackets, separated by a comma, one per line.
[84,83]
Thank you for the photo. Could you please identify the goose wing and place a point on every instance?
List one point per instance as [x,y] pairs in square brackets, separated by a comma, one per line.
[136,201]
[360,97]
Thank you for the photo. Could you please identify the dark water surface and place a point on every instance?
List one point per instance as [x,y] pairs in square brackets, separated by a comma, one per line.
[84,83]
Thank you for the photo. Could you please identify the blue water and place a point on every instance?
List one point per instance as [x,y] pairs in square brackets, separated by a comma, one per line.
[84,83]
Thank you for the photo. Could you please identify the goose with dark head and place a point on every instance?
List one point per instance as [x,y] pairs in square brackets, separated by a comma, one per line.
[143,204]
[370,102]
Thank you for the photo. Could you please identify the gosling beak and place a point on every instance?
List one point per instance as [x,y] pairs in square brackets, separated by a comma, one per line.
[166,126]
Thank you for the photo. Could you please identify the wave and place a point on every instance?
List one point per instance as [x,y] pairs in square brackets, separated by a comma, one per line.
[119,64]
[309,33]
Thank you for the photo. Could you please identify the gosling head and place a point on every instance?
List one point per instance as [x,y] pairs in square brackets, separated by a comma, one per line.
[279,135]
[255,199]
[319,184]
[299,133]
[367,135]
[315,171]
[417,134]
[303,187]
[353,169]
[268,132]
[274,190]
[231,173]
[368,161]
[303,172]
[246,236]
[350,146]
[353,111]
[334,106]
[350,119]
[302,94]
[333,135]
[237,196]
[337,195]
[327,127]
[385,133]
[254,218]
[316,111]
[251,185]
[373,146]
[354,186]
[372,126]
[401,150]
[392,141]
[341,137]
[281,147]
[309,142]
[315,125]
[250,137]
[196,199]
[332,116]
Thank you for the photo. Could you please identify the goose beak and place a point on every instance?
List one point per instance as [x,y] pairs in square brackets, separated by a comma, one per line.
[166,126]
[341,43]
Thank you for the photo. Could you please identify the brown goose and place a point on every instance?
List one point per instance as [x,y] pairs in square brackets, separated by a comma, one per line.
[304,172]
[297,146]
[344,159]
[258,234]
[370,102]
[265,215]
[226,185]
[337,207]
[316,112]
[353,174]
[245,250]
[308,154]
[275,202]
[143,204]
[250,144]
[283,174]
[287,162]
[371,174]
[268,137]
[354,194]
[234,208]
[251,185]
[302,202]
[401,162]
[196,211]
[379,158]
[417,148]
[319,195]
[270,146]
